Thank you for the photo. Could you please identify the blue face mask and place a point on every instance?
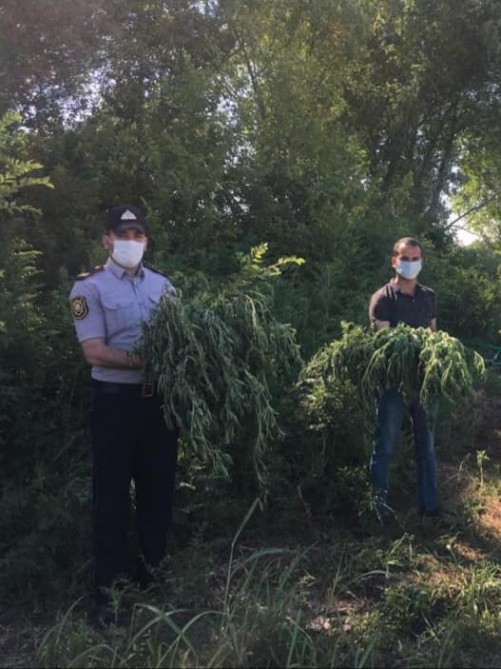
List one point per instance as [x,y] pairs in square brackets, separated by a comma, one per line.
[408,269]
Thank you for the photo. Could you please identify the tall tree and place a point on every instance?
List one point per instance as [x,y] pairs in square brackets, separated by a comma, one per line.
[428,70]
[48,52]
[301,167]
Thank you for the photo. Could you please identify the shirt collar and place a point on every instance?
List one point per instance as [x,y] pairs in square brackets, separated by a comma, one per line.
[120,272]
[398,289]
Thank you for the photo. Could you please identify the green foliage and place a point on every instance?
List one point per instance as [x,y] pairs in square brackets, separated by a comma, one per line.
[44,480]
[329,399]
[428,597]
[218,360]
[327,129]
[467,284]
[322,460]
[433,364]
[46,60]
[16,174]
[329,419]
[417,362]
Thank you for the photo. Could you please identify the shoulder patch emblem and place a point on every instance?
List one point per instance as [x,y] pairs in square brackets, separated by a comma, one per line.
[79,307]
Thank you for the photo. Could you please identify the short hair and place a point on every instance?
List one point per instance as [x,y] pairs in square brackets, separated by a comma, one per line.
[411,241]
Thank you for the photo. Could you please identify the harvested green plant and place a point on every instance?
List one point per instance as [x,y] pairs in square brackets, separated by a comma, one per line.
[419,363]
[217,359]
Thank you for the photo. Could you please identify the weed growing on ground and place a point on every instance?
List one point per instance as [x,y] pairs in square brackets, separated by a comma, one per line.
[340,592]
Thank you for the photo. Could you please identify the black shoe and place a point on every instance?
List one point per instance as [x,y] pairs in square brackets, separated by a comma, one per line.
[146,575]
[432,513]
[438,517]
[390,526]
[103,617]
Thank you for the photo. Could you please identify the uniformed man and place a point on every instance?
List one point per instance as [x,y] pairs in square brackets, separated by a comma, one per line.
[129,437]
[403,300]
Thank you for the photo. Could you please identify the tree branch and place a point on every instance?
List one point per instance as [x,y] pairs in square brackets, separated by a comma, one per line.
[472,209]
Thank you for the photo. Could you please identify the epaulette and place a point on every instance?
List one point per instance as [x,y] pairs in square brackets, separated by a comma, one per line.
[154,269]
[85,275]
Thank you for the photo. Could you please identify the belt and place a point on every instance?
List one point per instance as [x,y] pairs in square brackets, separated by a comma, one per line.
[138,389]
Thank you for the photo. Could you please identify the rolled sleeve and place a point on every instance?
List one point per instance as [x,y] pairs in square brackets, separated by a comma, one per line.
[87,312]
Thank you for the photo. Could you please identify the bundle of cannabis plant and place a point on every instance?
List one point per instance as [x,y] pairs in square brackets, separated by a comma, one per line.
[219,359]
[421,364]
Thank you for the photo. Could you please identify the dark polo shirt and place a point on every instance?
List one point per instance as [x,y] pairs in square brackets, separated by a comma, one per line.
[389,303]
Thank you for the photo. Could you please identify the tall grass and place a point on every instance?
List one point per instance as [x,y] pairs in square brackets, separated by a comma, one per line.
[428,597]
[260,619]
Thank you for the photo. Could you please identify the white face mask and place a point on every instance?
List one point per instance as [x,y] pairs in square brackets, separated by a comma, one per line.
[127,252]
[408,269]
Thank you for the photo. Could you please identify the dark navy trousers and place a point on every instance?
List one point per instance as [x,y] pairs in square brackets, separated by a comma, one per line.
[130,442]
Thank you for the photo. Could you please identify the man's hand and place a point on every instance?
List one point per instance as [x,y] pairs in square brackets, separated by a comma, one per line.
[379,325]
[99,354]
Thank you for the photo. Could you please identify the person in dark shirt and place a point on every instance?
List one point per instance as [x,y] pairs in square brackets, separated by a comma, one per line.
[403,300]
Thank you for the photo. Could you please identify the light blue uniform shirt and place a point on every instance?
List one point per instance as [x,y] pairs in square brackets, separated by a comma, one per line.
[111,304]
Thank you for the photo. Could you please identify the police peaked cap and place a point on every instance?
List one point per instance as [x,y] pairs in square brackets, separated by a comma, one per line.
[121,218]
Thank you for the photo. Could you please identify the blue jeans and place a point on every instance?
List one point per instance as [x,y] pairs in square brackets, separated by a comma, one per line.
[391,413]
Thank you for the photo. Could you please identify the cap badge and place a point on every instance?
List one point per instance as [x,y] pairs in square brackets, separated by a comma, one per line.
[128,216]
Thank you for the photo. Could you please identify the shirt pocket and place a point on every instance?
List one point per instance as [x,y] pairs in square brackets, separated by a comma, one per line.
[121,316]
